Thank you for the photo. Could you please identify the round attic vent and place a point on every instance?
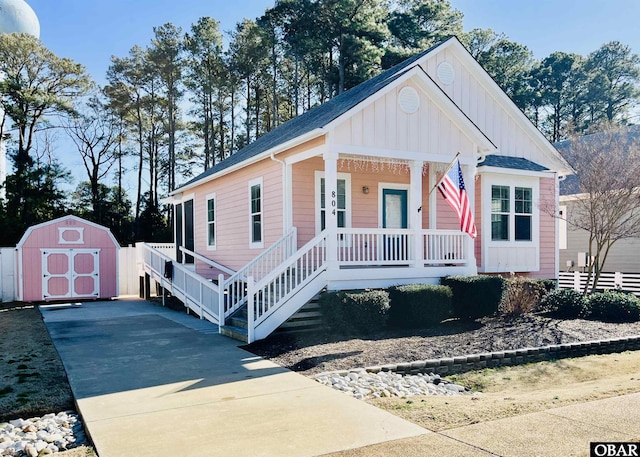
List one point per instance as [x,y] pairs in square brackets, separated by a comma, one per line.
[409,100]
[446,73]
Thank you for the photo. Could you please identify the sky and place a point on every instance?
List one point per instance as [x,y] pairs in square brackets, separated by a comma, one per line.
[91,31]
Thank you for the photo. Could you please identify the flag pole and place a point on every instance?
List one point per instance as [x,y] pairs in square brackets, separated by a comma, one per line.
[445,172]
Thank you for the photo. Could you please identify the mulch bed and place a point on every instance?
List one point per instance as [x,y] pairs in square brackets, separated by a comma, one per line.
[319,350]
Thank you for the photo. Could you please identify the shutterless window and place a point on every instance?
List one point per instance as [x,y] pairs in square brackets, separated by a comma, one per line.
[211,221]
[256,213]
[523,213]
[500,203]
[341,202]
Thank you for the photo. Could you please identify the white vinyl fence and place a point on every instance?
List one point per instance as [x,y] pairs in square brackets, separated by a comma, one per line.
[626,281]
[129,272]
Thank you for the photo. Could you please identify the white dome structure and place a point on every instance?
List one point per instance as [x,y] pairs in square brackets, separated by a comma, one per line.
[18,17]
[15,17]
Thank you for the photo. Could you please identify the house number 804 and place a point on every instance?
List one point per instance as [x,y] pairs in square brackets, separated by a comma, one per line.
[333,203]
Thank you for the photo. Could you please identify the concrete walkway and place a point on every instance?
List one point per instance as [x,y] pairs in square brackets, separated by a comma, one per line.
[558,432]
[149,381]
[153,382]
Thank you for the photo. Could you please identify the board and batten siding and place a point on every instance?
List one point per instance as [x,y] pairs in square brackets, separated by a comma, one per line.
[383,125]
[482,108]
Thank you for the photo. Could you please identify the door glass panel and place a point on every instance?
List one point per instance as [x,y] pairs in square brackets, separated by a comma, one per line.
[393,216]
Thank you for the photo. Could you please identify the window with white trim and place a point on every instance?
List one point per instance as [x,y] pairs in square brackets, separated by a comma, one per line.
[343,201]
[255,213]
[511,206]
[211,221]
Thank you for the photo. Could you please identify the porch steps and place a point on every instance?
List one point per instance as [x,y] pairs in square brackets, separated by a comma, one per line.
[237,333]
[306,319]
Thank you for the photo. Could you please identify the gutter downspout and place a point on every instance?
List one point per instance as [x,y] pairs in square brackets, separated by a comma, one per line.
[285,196]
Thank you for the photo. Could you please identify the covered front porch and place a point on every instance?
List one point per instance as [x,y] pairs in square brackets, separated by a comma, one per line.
[384,222]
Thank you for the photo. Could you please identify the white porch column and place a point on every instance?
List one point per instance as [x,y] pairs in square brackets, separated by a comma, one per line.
[288,198]
[469,175]
[331,206]
[415,214]
[432,197]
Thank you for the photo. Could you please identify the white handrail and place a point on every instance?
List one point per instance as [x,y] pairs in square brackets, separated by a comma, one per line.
[444,246]
[379,246]
[208,261]
[233,290]
[267,295]
[195,291]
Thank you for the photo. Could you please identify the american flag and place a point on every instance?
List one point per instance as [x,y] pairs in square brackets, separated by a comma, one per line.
[452,189]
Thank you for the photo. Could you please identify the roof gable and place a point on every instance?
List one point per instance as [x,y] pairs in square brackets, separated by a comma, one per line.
[313,123]
[315,118]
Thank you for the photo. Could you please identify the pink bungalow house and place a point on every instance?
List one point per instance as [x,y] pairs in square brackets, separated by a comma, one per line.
[341,196]
[67,258]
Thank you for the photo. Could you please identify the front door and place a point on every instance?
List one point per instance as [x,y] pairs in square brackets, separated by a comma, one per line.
[394,216]
[394,208]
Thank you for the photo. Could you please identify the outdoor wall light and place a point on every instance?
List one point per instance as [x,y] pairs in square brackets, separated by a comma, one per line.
[365,189]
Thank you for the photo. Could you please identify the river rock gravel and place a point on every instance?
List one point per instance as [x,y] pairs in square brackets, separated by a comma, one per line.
[40,436]
[361,384]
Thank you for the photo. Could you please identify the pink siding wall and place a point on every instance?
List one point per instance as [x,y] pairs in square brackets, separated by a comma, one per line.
[232,212]
[446,218]
[477,214]
[364,207]
[48,237]
[547,232]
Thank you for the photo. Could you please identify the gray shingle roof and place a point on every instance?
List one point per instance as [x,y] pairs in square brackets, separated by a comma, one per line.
[515,163]
[571,185]
[315,118]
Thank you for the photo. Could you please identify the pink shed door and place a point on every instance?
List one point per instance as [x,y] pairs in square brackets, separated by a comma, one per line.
[70,273]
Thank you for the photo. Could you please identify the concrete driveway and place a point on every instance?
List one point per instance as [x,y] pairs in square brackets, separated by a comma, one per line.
[149,381]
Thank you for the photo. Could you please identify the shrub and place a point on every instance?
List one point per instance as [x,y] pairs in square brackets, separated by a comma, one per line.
[521,295]
[565,304]
[548,284]
[614,306]
[362,312]
[475,296]
[419,305]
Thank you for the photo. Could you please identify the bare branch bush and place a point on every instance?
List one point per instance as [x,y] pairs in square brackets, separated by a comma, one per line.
[607,206]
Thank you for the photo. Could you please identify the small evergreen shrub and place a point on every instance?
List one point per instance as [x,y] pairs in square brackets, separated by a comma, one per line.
[362,312]
[419,305]
[548,284]
[613,306]
[521,296]
[475,296]
[564,304]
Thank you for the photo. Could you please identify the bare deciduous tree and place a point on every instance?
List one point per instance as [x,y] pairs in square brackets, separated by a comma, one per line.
[607,203]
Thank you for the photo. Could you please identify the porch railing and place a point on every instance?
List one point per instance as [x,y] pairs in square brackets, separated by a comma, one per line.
[192,289]
[234,288]
[266,295]
[444,247]
[389,247]
[361,246]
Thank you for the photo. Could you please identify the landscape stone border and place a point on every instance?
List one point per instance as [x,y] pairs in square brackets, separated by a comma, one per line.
[454,365]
